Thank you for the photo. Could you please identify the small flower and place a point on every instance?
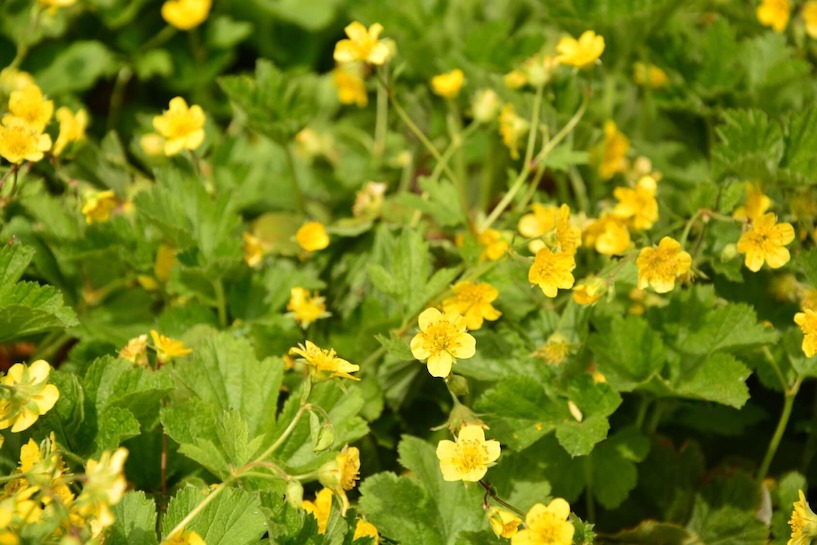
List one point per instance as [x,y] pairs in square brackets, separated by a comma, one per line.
[608,235]
[324,364]
[614,151]
[649,75]
[29,395]
[638,205]
[485,105]
[659,267]
[807,320]
[473,302]
[253,248]
[98,206]
[568,236]
[774,13]
[72,128]
[369,200]
[470,457]
[552,272]
[546,525]
[181,127]
[320,508]
[803,522]
[448,85]
[809,14]
[366,529]
[185,538]
[539,222]
[312,236]
[536,71]
[185,14]
[19,142]
[136,350]
[343,472]
[306,308]
[589,291]
[756,203]
[105,485]
[555,350]
[512,128]
[29,105]
[503,522]
[441,340]
[167,348]
[515,79]
[765,242]
[493,245]
[363,45]
[582,52]
[350,85]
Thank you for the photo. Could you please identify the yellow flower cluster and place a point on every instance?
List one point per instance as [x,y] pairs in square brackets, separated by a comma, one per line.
[321,509]
[166,349]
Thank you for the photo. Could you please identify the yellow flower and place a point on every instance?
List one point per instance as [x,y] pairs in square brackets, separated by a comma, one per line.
[167,348]
[442,339]
[362,45]
[608,235]
[555,350]
[448,85]
[366,529]
[807,320]
[512,128]
[254,249]
[350,85]
[552,272]
[614,151]
[809,298]
[589,291]
[72,127]
[638,205]
[649,75]
[19,142]
[54,4]
[98,206]
[470,457]
[185,538]
[28,397]
[809,13]
[12,79]
[659,267]
[756,203]
[343,472]
[29,105]
[105,485]
[503,523]
[181,127]
[803,522]
[493,245]
[539,222]
[473,301]
[320,508]
[42,468]
[766,241]
[312,236]
[568,236]
[185,14]
[485,105]
[582,52]
[774,13]
[136,350]
[515,79]
[324,364]
[546,525]
[306,308]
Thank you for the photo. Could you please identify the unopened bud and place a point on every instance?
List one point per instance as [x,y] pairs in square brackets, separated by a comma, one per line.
[295,494]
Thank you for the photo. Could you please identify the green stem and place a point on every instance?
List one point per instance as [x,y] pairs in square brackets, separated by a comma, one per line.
[14,168]
[381,123]
[788,403]
[688,227]
[643,405]
[24,45]
[221,302]
[776,368]
[490,491]
[198,509]
[534,123]
[296,188]
[655,418]
[118,95]
[286,433]
[158,39]
[55,341]
[579,189]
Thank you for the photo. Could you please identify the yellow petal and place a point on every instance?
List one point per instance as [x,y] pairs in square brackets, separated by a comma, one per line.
[439,364]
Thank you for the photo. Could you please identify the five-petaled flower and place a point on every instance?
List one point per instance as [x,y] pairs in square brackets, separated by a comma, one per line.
[19,142]
[312,236]
[546,525]
[765,242]
[448,85]
[803,522]
[167,348]
[659,267]
[363,45]
[774,13]
[582,52]
[470,457]
[181,126]
[442,339]
[807,320]
[29,105]
[552,271]
[324,364]
[473,301]
[26,395]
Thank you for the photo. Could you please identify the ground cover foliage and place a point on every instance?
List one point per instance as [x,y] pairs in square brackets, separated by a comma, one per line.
[436,271]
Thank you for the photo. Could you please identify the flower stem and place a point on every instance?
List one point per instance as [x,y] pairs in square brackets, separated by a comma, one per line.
[788,403]
[278,442]
[490,492]
[534,123]
[381,123]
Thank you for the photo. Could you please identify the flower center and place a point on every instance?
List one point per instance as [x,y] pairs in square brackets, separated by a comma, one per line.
[472,455]
[440,337]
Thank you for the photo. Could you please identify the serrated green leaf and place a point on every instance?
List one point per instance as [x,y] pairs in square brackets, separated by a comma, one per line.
[232,518]
[134,521]
[630,353]
[395,346]
[614,466]
[720,378]
[76,68]
[14,260]
[651,532]
[750,145]
[518,412]
[114,425]
[729,328]
[385,500]
[800,158]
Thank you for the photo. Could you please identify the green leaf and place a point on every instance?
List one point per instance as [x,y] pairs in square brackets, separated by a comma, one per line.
[224,32]
[614,466]
[441,202]
[720,378]
[629,353]
[750,145]
[76,68]
[651,532]
[800,159]
[114,425]
[232,518]
[726,525]
[728,328]
[134,521]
